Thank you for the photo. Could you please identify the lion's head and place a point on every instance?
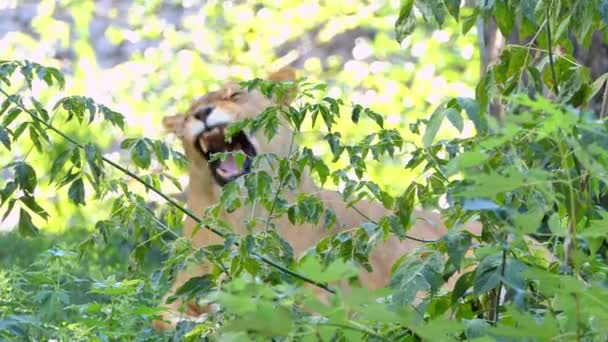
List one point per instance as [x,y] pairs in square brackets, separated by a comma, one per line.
[203,126]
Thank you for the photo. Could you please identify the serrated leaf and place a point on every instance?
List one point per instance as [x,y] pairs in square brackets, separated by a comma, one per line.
[420,271]
[30,202]
[329,220]
[76,191]
[25,177]
[141,155]
[457,244]
[26,227]
[115,118]
[406,21]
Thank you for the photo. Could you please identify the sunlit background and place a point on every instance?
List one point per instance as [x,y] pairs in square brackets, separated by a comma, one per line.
[147,59]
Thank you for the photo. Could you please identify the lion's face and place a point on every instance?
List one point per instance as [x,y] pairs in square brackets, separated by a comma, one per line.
[202,128]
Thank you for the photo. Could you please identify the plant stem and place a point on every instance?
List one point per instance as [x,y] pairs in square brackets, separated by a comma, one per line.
[604,109]
[498,291]
[376,223]
[169,200]
[279,188]
[550,49]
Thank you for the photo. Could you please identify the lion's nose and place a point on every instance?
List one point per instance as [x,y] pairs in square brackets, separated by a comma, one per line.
[203,113]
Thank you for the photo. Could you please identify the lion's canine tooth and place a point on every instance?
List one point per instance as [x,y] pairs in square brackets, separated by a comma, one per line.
[203,145]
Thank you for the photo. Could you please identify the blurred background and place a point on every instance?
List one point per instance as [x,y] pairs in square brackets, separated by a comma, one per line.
[148,58]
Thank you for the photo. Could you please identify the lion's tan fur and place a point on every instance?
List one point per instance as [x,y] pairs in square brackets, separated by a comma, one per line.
[203,192]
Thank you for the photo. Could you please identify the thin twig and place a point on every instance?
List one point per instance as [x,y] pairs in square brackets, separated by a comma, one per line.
[376,223]
[169,200]
[553,75]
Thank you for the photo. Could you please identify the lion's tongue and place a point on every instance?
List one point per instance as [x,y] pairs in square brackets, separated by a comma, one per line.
[228,167]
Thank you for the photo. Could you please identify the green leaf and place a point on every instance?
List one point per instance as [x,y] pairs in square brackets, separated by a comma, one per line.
[420,271]
[94,161]
[58,163]
[115,118]
[505,17]
[141,155]
[375,116]
[4,138]
[25,177]
[458,244]
[469,21]
[9,208]
[462,285]
[432,127]
[487,274]
[57,75]
[4,106]
[26,227]
[258,185]
[489,185]
[453,7]
[356,113]
[466,160]
[11,116]
[406,21]
[196,285]
[431,9]
[76,191]
[455,118]
[30,202]
[330,219]
[8,190]
[603,10]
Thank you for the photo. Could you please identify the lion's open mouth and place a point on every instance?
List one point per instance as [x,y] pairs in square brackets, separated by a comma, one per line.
[213,140]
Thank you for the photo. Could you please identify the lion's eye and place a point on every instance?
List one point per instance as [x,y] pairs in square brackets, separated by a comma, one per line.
[236,96]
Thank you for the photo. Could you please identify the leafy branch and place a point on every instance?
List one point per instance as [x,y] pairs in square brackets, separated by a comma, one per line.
[169,200]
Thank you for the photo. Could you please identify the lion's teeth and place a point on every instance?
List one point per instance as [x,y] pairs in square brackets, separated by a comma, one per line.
[203,145]
[214,132]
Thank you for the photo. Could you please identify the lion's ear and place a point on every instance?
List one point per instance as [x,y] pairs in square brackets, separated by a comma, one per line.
[284,74]
[174,123]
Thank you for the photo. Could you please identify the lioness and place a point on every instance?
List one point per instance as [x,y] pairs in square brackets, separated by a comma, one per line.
[201,130]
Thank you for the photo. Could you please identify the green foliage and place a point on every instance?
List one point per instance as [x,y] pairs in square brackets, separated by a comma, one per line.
[540,171]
